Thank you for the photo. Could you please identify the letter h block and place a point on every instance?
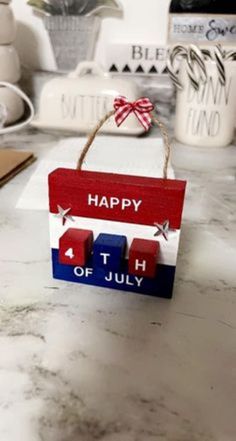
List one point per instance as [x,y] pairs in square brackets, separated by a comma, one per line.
[75,246]
[143,255]
[108,251]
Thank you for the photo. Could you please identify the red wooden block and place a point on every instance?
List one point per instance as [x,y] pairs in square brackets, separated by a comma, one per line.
[143,256]
[122,198]
[75,246]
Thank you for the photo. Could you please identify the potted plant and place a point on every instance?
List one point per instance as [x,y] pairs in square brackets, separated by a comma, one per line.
[73,26]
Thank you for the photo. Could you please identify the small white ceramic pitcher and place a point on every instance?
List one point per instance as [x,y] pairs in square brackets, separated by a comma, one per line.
[207,117]
[12,101]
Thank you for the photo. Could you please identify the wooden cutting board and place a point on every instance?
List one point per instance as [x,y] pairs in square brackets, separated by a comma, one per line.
[12,162]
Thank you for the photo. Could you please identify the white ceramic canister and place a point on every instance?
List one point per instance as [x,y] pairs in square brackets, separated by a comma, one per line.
[9,64]
[206,117]
[7,25]
[78,101]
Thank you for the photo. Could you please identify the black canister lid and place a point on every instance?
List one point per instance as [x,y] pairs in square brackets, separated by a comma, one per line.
[203,6]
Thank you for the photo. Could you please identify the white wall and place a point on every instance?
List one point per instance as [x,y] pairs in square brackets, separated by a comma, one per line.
[145,21]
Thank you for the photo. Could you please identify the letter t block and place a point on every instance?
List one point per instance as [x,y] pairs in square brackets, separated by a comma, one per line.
[143,255]
[108,251]
[75,246]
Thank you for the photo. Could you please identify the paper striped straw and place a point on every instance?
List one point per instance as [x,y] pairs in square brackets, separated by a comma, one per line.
[196,66]
[220,58]
[197,56]
[170,67]
[196,63]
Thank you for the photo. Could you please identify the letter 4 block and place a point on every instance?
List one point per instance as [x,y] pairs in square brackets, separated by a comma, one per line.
[143,256]
[108,251]
[75,246]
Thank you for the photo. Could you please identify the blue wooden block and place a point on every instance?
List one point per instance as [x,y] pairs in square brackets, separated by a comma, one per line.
[161,285]
[109,251]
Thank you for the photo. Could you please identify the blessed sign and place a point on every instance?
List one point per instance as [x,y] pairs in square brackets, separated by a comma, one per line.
[138,59]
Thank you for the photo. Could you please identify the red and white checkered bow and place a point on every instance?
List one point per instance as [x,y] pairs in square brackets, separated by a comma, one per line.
[141,108]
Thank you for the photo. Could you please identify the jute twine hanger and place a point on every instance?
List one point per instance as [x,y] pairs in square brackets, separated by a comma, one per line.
[93,135]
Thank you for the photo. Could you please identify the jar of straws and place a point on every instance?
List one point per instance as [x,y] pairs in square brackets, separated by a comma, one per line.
[206,94]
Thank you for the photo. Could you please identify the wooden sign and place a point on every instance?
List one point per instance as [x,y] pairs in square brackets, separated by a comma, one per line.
[138,59]
[115,231]
[207,29]
[13,162]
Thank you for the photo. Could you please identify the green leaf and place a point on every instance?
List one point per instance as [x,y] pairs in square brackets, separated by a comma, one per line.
[103,5]
[40,5]
[74,7]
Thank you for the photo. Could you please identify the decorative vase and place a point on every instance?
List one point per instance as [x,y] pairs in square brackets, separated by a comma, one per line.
[9,64]
[206,117]
[72,38]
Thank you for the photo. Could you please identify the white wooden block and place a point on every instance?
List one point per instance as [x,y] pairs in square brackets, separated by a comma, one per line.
[135,58]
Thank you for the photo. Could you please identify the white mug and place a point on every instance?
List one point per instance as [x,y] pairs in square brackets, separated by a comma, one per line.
[12,108]
[7,25]
[206,117]
[9,64]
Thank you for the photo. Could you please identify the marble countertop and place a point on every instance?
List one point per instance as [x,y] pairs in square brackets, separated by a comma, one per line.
[84,364]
